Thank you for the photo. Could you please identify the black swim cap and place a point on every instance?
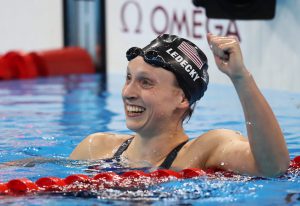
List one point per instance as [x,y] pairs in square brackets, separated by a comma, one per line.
[182,58]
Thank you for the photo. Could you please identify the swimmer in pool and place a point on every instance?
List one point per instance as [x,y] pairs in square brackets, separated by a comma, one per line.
[163,82]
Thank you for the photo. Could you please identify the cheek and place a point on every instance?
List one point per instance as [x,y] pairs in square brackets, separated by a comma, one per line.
[162,106]
[162,101]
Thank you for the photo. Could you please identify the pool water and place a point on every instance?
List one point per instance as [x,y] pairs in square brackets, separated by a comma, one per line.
[49,117]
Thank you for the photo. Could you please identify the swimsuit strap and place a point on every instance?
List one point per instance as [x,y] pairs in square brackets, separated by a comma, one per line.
[166,163]
[123,147]
[171,156]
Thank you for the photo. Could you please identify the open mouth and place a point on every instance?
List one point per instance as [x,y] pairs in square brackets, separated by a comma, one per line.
[133,110]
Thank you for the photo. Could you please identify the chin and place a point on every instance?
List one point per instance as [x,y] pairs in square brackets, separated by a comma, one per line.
[132,126]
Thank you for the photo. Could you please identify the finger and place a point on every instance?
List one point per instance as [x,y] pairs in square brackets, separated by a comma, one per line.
[217,43]
[227,46]
[209,35]
[208,38]
[212,37]
[224,47]
[221,50]
[234,37]
[217,40]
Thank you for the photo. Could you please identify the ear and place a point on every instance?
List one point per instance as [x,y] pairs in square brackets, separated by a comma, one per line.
[184,101]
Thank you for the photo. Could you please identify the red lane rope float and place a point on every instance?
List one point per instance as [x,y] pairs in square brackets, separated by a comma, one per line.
[190,173]
[51,183]
[295,163]
[22,185]
[130,179]
[5,71]
[3,188]
[17,65]
[80,182]
[63,61]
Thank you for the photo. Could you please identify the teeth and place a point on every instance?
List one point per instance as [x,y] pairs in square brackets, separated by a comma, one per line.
[135,108]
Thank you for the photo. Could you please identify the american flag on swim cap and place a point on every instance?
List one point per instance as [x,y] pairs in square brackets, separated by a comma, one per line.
[191,53]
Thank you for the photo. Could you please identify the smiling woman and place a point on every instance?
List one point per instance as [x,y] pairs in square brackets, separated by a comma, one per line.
[143,85]
[163,82]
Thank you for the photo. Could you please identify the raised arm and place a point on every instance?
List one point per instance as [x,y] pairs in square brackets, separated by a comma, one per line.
[268,154]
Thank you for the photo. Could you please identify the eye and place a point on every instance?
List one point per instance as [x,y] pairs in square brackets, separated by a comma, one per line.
[146,83]
[128,78]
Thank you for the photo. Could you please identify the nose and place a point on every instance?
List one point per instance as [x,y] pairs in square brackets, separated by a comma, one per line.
[129,91]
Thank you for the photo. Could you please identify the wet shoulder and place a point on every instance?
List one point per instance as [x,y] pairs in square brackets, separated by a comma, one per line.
[217,136]
[98,146]
[211,139]
[198,150]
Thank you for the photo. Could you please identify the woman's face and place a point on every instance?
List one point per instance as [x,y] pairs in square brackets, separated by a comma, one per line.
[152,101]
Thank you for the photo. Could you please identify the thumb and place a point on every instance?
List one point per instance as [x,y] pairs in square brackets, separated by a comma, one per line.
[208,37]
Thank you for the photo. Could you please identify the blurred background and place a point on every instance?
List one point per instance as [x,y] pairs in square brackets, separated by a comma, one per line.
[268,31]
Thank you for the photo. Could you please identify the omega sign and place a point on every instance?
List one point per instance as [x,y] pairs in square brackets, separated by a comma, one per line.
[191,22]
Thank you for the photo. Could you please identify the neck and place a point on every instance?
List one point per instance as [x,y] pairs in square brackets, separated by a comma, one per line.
[154,149]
